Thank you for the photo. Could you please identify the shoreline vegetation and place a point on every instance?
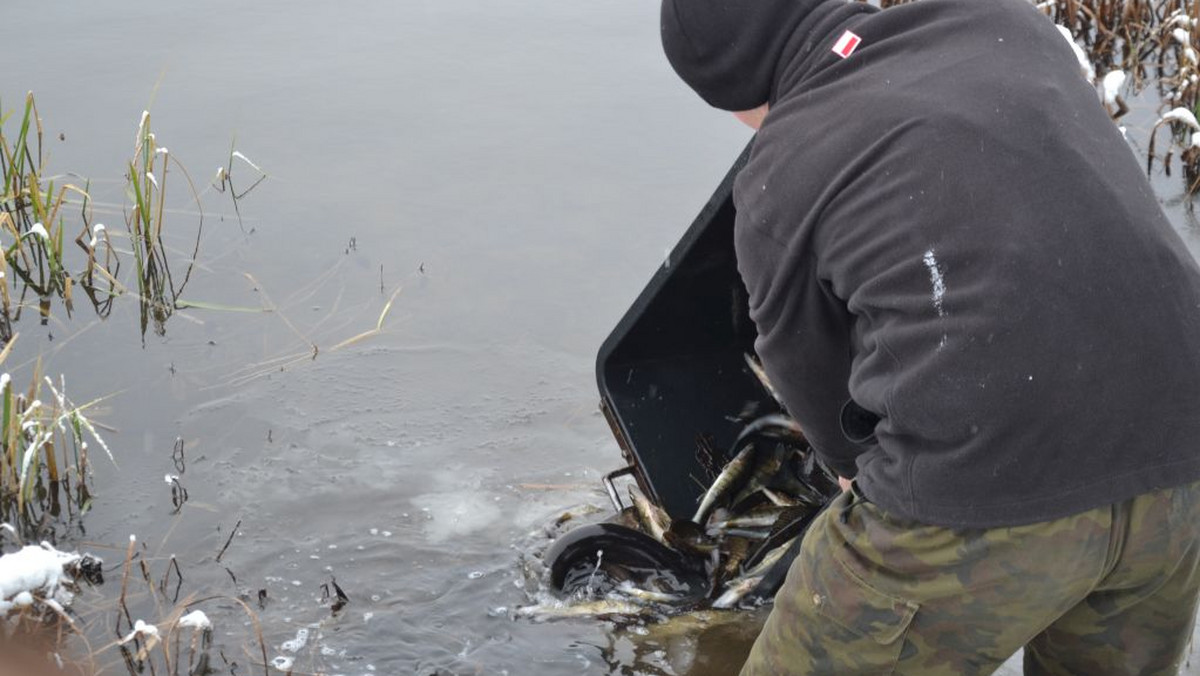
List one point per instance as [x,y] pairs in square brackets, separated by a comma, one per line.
[45,457]
[44,461]
[1126,49]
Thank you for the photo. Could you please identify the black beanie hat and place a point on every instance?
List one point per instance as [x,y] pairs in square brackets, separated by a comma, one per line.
[727,50]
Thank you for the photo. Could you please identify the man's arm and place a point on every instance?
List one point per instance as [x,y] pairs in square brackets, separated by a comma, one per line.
[803,340]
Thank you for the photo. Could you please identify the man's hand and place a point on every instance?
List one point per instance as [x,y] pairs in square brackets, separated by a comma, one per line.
[844,483]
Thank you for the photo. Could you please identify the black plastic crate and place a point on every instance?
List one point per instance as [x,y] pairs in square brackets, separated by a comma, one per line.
[672,375]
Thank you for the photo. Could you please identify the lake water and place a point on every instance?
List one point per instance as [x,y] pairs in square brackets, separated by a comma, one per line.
[519,168]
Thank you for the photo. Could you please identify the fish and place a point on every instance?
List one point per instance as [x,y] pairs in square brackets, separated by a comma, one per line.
[778,499]
[775,426]
[747,533]
[798,490]
[763,520]
[732,555]
[768,560]
[746,466]
[735,592]
[600,608]
[686,536]
[761,374]
[627,588]
[791,523]
[763,472]
[730,478]
[650,516]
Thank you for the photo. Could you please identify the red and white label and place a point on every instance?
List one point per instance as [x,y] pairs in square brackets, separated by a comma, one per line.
[846,44]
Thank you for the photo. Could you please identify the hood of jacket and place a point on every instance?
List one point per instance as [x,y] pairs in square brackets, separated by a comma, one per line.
[731,51]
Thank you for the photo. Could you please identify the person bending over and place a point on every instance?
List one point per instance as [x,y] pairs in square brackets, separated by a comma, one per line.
[968,295]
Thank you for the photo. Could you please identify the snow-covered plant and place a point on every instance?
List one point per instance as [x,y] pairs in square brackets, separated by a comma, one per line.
[1133,44]
[43,451]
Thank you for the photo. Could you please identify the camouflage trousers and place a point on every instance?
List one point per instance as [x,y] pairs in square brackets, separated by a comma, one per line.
[1109,591]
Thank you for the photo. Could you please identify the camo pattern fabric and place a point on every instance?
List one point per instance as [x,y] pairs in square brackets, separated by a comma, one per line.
[1106,592]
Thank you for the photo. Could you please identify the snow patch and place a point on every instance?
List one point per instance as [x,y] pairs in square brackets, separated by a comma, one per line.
[196,620]
[1182,115]
[1085,66]
[141,629]
[937,281]
[1112,84]
[35,570]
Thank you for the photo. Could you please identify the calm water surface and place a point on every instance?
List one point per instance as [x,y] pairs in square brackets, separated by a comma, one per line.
[519,168]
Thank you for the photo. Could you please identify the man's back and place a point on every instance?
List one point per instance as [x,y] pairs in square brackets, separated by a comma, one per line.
[951,201]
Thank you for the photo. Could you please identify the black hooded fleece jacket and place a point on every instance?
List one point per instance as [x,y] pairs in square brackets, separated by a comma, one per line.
[946,228]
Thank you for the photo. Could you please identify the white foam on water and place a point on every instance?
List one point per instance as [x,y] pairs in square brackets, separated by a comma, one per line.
[453,515]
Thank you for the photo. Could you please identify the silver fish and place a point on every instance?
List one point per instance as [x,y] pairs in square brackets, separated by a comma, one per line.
[769,560]
[765,469]
[747,533]
[735,592]
[778,499]
[647,595]
[729,478]
[765,520]
[606,607]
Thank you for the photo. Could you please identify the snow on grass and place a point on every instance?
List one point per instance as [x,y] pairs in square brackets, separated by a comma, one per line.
[1182,115]
[196,620]
[35,572]
[39,230]
[141,629]
[1085,65]
[245,159]
[1112,83]
[97,231]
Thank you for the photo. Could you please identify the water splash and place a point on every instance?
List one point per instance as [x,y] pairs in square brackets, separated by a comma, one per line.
[591,591]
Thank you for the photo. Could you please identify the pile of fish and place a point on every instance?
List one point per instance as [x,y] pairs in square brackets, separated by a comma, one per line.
[732,553]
